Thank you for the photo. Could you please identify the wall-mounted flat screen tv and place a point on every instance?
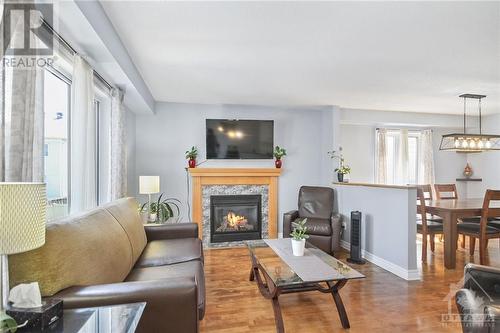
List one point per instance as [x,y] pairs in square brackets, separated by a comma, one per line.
[239,139]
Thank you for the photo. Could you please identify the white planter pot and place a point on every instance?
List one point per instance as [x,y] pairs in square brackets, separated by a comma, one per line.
[152,217]
[298,247]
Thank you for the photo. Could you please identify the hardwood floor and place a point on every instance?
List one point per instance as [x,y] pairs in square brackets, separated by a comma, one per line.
[382,302]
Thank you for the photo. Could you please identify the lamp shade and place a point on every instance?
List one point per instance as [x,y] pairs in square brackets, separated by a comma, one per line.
[23,209]
[149,184]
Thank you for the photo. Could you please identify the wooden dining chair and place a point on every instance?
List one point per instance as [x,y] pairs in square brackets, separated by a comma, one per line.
[425,225]
[449,192]
[484,229]
[446,191]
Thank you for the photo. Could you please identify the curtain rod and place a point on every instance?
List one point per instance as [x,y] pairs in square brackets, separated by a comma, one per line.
[406,128]
[72,51]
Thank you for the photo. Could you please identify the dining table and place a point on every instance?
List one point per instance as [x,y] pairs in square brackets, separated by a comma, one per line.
[451,210]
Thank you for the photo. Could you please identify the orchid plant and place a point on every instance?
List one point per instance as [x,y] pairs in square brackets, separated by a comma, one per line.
[343,168]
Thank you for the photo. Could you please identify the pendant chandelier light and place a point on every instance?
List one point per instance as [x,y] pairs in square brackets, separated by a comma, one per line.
[468,142]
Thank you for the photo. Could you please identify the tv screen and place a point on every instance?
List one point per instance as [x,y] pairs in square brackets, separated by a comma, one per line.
[240,139]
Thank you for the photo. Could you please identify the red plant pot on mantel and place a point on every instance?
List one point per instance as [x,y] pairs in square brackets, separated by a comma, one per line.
[192,163]
[278,164]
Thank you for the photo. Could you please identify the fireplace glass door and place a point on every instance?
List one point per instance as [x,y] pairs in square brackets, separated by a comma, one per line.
[235,218]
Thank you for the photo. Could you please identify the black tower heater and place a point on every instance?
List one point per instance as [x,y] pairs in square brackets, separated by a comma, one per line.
[356,257]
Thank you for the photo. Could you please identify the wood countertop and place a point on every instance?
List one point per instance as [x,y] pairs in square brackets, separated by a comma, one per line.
[400,187]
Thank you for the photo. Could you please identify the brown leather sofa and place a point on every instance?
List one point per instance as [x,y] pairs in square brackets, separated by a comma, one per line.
[323,224]
[106,256]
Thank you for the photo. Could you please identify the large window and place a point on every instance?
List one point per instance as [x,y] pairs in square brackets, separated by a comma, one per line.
[56,143]
[57,101]
[403,163]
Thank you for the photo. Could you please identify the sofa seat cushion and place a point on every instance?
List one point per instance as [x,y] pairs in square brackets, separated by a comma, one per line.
[315,226]
[170,251]
[192,268]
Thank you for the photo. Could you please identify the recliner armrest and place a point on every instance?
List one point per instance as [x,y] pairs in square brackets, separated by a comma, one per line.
[288,218]
[482,278]
[171,304]
[171,231]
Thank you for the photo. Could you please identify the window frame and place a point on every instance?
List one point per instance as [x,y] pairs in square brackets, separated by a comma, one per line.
[61,76]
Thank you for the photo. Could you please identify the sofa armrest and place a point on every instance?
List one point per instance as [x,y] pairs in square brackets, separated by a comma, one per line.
[171,231]
[482,279]
[171,304]
[288,218]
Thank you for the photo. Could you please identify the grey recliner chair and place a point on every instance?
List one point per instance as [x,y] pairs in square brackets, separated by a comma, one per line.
[323,224]
[478,302]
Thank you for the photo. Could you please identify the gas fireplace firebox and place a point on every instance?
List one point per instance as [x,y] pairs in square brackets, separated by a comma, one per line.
[235,218]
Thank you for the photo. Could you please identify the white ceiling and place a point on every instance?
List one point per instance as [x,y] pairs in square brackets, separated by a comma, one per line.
[404,56]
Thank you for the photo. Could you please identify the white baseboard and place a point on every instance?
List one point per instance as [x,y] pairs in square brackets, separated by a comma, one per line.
[280,235]
[409,275]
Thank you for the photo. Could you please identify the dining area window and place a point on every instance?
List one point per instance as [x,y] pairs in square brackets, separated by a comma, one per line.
[404,156]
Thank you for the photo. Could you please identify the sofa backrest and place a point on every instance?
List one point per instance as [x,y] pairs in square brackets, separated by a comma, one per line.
[96,247]
[126,213]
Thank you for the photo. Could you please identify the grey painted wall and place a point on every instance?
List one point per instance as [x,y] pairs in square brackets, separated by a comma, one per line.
[163,138]
[486,165]
[388,225]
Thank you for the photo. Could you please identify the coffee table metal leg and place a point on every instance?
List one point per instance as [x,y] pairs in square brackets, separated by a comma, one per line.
[338,302]
[278,318]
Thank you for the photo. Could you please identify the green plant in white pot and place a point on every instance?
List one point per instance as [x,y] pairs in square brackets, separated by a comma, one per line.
[162,210]
[299,237]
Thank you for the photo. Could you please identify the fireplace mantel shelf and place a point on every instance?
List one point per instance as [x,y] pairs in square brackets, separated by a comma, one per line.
[235,172]
[236,176]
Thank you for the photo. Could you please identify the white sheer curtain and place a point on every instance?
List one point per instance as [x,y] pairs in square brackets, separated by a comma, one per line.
[21,118]
[426,176]
[118,169]
[403,157]
[381,158]
[83,138]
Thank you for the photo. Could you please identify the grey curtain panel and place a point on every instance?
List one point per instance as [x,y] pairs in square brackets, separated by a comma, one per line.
[21,120]
[118,169]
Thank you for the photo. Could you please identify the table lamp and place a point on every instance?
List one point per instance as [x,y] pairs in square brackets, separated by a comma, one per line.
[22,224]
[149,185]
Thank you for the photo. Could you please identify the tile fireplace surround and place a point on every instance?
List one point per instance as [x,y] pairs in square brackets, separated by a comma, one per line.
[231,181]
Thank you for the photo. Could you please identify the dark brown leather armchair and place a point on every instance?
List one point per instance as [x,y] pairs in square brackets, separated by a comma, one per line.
[323,224]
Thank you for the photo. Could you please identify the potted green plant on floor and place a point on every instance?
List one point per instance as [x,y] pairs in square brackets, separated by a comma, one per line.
[299,237]
[279,152]
[191,156]
[161,210]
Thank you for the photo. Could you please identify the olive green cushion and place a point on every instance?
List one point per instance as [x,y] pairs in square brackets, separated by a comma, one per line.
[86,249]
[126,212]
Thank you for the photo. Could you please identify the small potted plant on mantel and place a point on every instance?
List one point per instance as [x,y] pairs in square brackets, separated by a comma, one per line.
[299,237]
[279,152]
[191,156]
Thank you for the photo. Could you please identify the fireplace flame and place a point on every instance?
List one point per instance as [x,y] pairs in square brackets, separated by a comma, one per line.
[235,220]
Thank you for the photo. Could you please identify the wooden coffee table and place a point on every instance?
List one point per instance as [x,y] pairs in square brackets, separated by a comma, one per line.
[275,277]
